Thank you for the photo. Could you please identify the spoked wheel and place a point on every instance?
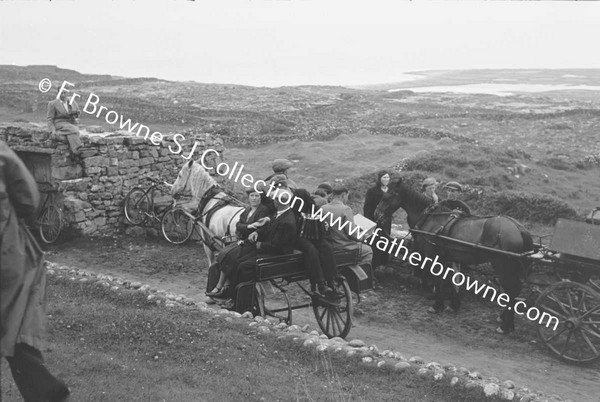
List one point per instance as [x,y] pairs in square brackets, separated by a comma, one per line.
[277,307]
[334,315]
[136,206]
[576,338]
[594,283]
[177,226]
[50,224]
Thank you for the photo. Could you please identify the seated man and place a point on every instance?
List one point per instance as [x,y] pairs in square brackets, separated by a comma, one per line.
[454,189]
[318,253]
[275,238]
[341,239]
[62,121]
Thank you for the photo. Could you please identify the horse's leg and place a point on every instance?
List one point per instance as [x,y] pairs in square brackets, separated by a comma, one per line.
[508,272]
[209,254]
[440,287]
[454,290]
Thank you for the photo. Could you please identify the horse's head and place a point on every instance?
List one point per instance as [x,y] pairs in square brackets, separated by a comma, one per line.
[390,202]
[192,177]
[182,183]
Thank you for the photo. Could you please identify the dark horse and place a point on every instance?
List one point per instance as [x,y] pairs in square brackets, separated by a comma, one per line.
[498,232]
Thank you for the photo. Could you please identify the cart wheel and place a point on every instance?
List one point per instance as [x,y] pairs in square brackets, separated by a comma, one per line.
[177,226]
[594,283]
[577,335]
[335,319]
[136,206]
[50,224]
[268,307]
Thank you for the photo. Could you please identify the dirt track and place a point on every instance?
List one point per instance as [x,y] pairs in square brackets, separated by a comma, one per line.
[392,317]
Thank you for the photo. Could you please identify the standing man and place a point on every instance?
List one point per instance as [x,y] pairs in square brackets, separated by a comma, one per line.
[23,284]
[62,121]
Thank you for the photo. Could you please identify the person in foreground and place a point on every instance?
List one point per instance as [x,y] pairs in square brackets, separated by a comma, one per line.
[23,284]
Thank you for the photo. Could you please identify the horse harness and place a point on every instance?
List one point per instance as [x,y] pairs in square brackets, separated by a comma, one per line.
[211,193]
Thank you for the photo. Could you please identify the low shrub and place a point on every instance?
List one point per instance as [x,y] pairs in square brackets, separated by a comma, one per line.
[530,207]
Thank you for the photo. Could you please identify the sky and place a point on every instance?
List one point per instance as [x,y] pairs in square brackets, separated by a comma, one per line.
[295,42]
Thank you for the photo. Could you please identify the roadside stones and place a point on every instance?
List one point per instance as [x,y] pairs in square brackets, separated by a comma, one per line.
[454,381]
[356,343]
[401,366]
[491,389]
[247,314]
[416,359]
[144,288]
[136,285]
[322,348]
[433,365]
[367,359]
[506,394]
[508,384]
[474,375]
[438,376]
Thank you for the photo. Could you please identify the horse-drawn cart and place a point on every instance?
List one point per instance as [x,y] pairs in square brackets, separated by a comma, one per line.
[333,312]
[572,257]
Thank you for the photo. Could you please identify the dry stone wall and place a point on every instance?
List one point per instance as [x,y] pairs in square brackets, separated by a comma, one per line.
[92,187]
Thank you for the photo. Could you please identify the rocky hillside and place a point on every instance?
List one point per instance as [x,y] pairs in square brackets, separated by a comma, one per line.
[543,126]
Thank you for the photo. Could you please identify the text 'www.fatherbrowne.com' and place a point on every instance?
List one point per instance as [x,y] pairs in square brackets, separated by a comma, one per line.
[398,249]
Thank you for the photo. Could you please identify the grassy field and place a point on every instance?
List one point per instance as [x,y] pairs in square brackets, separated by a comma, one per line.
[117,347]
[542,192]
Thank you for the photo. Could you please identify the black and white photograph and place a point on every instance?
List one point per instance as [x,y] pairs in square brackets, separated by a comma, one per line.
[299,200]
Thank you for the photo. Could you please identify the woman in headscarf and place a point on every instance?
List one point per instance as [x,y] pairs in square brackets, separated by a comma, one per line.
[372,199]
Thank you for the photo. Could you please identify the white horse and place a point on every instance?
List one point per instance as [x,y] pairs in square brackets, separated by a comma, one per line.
[205,190]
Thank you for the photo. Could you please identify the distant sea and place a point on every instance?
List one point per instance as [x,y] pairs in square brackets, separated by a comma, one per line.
[499,89]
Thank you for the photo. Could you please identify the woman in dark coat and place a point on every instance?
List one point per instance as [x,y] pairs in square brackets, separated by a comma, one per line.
[253,217]
[372,198]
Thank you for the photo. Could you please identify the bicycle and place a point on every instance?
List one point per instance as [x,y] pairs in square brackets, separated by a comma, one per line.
[50,217]
[139,206]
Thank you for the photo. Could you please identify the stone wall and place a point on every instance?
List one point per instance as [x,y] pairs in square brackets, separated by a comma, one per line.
[92,187]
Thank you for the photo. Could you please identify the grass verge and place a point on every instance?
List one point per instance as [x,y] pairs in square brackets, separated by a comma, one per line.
[116,346]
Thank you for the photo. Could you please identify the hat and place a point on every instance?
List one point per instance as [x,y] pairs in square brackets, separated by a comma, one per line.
[281,165]
[339,189]
[428,182]
[452,185]
[327,187]
[279,180]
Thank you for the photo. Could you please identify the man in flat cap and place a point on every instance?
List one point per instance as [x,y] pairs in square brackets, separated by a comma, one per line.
[281,167]
[453,190]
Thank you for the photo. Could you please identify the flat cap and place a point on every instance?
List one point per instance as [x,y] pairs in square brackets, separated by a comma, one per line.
[281,165]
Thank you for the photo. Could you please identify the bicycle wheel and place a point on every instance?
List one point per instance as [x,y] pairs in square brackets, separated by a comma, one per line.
[136,206]
[50,224]
[177,226]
